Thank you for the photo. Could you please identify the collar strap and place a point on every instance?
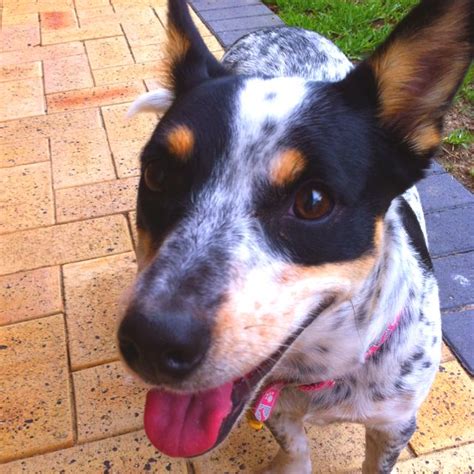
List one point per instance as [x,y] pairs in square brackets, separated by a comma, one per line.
[265,403]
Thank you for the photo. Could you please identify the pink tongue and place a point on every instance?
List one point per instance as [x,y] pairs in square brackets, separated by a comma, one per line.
[186,425]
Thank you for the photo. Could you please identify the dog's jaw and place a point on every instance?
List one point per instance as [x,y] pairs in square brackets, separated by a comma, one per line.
[190,424]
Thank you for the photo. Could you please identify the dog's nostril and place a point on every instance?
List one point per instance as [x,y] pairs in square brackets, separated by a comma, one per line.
[178,360]
[129,350]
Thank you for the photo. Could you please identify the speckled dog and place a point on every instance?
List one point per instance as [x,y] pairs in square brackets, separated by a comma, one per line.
[282,255]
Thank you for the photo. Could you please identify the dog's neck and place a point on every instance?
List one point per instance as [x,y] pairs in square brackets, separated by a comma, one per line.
[336,343]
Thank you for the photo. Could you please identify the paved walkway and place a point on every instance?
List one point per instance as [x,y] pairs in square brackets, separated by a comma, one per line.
[68,168]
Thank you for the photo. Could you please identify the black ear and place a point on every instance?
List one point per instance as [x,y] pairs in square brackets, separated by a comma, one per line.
[416,72]
[189,61]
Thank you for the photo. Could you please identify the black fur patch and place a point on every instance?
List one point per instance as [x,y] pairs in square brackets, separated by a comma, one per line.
[413,229]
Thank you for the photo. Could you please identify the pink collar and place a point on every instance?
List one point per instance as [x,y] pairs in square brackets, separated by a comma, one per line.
[267,400]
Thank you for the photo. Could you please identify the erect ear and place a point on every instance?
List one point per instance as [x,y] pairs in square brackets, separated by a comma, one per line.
[187,63]
[188,59]
[418,70]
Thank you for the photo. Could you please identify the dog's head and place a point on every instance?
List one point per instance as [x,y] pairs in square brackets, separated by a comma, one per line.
[261,205]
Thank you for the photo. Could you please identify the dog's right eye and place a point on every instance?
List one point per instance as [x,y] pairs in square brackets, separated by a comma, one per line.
[154,176]
[312,203]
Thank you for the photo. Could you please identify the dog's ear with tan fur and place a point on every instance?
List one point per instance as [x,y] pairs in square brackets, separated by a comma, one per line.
[188,62]
[417,71]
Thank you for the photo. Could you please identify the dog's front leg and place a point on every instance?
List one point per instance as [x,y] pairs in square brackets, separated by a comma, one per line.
[293,455]
[383,445]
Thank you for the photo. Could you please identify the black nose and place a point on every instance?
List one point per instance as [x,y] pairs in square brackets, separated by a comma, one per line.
[161,346]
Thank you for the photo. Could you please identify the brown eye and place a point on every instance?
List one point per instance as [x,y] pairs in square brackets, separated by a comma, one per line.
[154,176]
[311,203]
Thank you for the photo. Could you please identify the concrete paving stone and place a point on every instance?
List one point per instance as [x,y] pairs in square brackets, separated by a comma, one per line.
[451,461]
[50,125]
[339,447]
[30,19]
[18,37]
[23,152]
[455,275]
[95,298]
[228,38]
[446,354]
[108,52]
[26,195]
[81,157]
[94,96]
[21,98]
[127,137]
[36,410]
[109,401]
[234,12]
[131,452]
[203,5]
[16,72]
[95,200]
[119,127]
[38,6]
[64,74]
[218,54]
[126,154]
[200,25]
[442,419]
[144,32]
[97,13]
[335,448]
[458,332]
[244,451]
[131,72]
[136,3]
[134,12]
[435,168]
[212,43]
[58,20]
[152,84]
[27,295]
[451,230]
[99,30]
[150,52]
[442,191]
[64,243]
[41,53]
[264,21]
[83,4]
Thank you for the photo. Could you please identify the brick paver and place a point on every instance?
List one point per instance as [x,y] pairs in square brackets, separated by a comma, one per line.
[35,398]
[127,453]
[67,73]
[23,152]
[102,393]
[69,166]
[94,300]
[28,295]
[81,157]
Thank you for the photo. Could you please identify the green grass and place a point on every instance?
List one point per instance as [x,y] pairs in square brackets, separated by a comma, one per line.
[356,26]
[460,137]
[466,92]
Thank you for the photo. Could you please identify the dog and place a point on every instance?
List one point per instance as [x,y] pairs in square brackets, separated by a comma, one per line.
[283,261]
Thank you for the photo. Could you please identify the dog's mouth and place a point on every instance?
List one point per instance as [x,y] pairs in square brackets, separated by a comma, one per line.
[187,425]
[190,424]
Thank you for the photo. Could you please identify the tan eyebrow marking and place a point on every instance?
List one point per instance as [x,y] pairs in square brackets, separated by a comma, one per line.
[180,141]
[286,167]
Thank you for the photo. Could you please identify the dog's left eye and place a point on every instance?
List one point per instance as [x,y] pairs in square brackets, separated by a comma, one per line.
[312,203]
[154,176]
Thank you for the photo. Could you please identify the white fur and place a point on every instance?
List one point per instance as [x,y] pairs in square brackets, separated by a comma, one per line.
[157,101]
